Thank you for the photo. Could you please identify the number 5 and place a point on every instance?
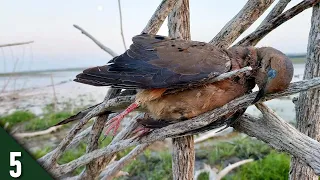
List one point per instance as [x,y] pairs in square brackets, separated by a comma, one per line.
[17,163]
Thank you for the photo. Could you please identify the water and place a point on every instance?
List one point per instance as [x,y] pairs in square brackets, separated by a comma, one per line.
[35,80]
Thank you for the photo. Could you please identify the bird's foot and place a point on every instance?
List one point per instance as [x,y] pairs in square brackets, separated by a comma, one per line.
[114,123]
[141,131]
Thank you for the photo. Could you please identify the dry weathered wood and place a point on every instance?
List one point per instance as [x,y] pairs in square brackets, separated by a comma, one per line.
[253,38]
[183,153]
[37,133]
[51,161]
[230,167]
[92,168]
[121,25]
[198,122]
[159,16]
[252,10]
[15,44]
[308,104]
[276,11]
[98,43]
[282,136]
[183,157]
[111,171]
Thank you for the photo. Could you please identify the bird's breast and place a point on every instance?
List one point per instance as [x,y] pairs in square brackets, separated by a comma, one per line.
[192,102]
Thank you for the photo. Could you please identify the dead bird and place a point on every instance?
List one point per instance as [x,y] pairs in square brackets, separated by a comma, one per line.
[173,77]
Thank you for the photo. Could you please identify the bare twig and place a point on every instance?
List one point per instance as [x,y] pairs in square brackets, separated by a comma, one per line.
[15,44]
[214,133]
[253,38]
[38,133]
[103,47]
[159,16]
[276,11]
[121,26]
[242,21]
[113,168]
[230,167]
[76,140]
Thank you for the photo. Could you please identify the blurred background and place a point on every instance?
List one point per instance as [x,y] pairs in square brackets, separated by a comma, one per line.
[37,91]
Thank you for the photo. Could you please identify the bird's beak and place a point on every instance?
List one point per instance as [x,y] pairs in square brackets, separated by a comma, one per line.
[261,93]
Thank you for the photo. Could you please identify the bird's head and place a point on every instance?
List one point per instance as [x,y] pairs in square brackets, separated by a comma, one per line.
[274,73]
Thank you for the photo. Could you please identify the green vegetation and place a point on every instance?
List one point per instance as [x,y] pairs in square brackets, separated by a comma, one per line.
[298,60]
[48,120]
[268,164]
[274,166]
[30,122]
[41,152]
[156,166]
[203,176]
[15,118]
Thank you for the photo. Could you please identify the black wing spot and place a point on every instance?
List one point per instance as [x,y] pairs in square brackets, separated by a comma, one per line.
[159,37]
[173,45]
[180,50]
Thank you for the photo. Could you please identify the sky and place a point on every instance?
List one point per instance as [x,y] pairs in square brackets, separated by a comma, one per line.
[57,44]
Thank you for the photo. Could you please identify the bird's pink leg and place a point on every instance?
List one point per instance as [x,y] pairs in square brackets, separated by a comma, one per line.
[115,122]
[142,131]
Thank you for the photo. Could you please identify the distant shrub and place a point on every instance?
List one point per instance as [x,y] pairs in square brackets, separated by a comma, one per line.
[17,117]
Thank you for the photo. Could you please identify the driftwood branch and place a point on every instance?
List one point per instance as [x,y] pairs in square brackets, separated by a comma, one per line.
[38,133]
[98,43]
[15,44]
[182,127]
[112,170]
[253,38]
[252,10]
[230,167]
[276,11]
[121,25]
[183,153]
[307,106]
[159,16]
[282,136]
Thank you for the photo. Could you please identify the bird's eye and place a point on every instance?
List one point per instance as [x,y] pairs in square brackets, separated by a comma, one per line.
[272,73]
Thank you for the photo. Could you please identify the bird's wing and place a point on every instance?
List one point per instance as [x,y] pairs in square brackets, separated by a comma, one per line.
[155,61]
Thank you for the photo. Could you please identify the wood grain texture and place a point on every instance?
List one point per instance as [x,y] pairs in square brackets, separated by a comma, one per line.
[251,11]
[183,153]
[308,104]
[276,11]
[159,16]
[282,136]
[253,38]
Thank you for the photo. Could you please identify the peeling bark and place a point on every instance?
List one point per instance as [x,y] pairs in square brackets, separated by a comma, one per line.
[183,153]
[308,105]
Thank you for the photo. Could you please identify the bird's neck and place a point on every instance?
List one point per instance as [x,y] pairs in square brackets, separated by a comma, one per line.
[245,56]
